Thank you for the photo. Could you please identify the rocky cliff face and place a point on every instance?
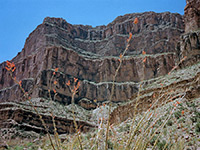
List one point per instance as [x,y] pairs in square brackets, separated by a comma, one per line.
[192,15]
[183,83]
[91,55]
[189,44]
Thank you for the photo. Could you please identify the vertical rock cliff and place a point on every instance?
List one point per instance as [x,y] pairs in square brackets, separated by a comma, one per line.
[91,55]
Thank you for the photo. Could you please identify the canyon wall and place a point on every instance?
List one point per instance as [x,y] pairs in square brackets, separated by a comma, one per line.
[91,54]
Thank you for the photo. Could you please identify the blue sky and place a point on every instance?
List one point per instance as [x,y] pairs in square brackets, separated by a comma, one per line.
[18,18]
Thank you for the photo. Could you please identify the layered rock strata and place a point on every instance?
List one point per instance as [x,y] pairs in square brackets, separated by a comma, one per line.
[22,116]
[183,84]
[90,55]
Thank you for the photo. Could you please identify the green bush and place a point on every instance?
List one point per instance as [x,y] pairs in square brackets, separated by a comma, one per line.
[169,122]
[161,145]
[177,114]
[197,127]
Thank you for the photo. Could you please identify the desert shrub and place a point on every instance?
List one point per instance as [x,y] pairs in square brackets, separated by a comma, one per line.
[110,144]
[153,140]
[196,117]
[161,144]
[177,114]
[181,120]
[190,104]
[19,148]
[169,122]
[197,127]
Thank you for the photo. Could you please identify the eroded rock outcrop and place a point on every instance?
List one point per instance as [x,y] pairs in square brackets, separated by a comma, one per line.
[189,45]
[21,115]
[192,15]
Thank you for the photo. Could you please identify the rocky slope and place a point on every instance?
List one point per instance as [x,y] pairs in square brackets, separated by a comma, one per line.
[184,83]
